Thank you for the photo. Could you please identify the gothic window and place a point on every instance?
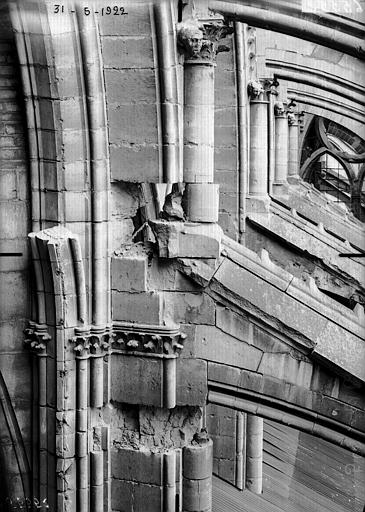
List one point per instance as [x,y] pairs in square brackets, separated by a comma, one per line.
[332,159]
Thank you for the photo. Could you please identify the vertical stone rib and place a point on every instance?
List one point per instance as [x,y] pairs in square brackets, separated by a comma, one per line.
[167,65]
[242,106]
[240,441]
[93,73]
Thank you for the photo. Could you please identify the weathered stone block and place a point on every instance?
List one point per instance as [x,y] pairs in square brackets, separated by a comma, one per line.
[126,159]
[234,324]
[129,273]
[137,380]
[130,86]
[187,240]
[121,495]
[135,123]
[136,465]
[127,52]
[191,382]
[185,307]
[148,498]
[214,345]
[137,307]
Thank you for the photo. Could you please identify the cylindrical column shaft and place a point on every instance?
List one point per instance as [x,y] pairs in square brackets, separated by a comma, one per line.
[258,182]
[198,122]
[197,477]
[240,437]
[293,160]
[169,382]
[281,149]
[254,447]
[169,481]
[96,381]
[82,463]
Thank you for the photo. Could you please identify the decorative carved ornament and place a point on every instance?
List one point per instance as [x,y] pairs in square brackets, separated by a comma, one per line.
[37,338]
[199,41]
[279,109]
[149,340]
[135,339]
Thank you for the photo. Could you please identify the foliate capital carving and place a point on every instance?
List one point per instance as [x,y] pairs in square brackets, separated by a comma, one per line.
[37,337]
[279,109]
[255,89]
[92,342]
[158,341]
[200,41]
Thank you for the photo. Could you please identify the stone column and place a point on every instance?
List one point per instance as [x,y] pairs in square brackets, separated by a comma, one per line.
[293,160]
[258,181]
[199,42]
[281,146]
[197,475]
[254,448]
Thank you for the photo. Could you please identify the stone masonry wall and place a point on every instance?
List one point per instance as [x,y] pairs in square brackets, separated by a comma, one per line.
[14,227]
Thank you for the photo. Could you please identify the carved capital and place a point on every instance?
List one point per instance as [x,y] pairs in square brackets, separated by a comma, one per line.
[94,341]
[279,109]
[255,89]
[149,340]
[292,119]
[200,41]
[37,338]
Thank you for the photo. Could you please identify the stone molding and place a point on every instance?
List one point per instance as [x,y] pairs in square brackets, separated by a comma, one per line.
[148,340]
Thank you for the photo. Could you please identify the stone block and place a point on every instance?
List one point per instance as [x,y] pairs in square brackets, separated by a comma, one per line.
[215,345]
[13,219]
[286,367]
[135,124]
[224,446]
[234,324]
[148,498]
[135,163]
[141,307]
[187,240]
[137,21]
[202,202]
[191,382]
[121,495]
[226,159]
[130,86]
[15,288]
[226,470]
[185,307]
[129,273]
[137,380]
[139,466]
[127,52]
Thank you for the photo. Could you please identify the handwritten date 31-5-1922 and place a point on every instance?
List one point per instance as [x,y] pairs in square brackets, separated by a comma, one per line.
[109,10]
